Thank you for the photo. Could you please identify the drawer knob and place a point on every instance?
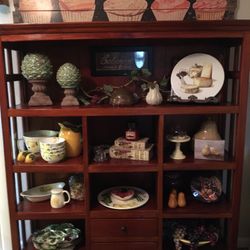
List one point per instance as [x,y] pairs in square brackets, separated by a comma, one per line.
[123,228]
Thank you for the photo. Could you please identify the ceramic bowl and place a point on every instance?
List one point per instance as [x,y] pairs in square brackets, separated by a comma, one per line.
[53,158]
[32,138]
[41,193]
[52,142]
[52,149]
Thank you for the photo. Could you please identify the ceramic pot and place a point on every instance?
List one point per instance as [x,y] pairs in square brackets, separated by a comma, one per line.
[122,97]
[154,96]
[208,131]
[72,139]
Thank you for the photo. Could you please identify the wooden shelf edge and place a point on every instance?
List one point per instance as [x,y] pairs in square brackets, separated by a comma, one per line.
[108,110]
[113,214]
[67,166]
[196,209]
[199,166]
[121,239]
[42,210]
[126,168]
[45,169]
[190,163]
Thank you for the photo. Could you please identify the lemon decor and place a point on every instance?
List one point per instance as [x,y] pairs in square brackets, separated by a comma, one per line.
[37,69]
[68,76]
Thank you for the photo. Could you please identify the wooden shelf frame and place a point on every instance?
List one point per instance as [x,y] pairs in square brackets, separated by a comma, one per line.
[230,33]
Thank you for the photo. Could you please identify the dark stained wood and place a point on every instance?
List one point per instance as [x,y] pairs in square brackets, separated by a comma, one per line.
[124,245]
[116,165]
[35,210]
[123,228]
[196,164]
[105,30]
[196,209]
[7,148]
[68,166]
[171,40]
[108,110]
[13,77]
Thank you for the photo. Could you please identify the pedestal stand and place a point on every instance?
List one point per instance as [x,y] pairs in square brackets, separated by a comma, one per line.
[178,154]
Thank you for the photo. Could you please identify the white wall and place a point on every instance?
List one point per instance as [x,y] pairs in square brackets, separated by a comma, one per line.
[243,12]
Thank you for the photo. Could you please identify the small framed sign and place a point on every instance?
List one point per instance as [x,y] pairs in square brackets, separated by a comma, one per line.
[120,61]
[209,149]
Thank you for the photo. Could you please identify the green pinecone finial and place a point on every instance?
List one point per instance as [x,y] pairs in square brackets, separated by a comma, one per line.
[36,67]
[68,76]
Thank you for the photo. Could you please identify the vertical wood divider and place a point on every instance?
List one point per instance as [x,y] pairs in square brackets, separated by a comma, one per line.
[160,154]
[8,152]
[241,125]
[86,178]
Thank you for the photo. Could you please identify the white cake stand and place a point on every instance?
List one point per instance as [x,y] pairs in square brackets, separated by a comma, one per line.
[178,154]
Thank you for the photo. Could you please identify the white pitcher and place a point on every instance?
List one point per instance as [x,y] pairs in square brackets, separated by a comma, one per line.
[57,199]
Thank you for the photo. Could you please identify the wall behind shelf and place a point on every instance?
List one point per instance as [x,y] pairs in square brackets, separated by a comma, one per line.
[242,12]
[244,229]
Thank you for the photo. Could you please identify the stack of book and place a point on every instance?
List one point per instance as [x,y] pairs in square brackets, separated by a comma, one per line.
[132,150]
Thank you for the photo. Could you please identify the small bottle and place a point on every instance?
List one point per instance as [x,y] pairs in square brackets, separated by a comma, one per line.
[131,134]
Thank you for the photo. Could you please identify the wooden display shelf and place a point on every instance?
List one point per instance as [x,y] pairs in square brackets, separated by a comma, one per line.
[42,210]
[108,110]
[197,164]
[196,209]
[227,41]
[70,165]
[116,165]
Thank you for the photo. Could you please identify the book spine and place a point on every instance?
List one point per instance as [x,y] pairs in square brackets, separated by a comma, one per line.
[132,154]
[138,145]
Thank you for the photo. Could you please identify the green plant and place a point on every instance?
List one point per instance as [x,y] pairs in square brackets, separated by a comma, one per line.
[138,77]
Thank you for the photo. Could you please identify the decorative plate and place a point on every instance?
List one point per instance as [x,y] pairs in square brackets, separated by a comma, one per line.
[139,198]
[199,76]
[41,193]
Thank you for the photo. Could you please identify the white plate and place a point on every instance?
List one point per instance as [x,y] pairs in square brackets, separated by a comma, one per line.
[139,199]
[218,76]
[41,193]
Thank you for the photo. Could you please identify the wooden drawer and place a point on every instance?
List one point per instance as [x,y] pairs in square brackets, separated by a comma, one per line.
[124,246]
[123,228]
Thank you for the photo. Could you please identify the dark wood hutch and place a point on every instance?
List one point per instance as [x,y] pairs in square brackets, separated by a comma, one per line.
[228,41]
